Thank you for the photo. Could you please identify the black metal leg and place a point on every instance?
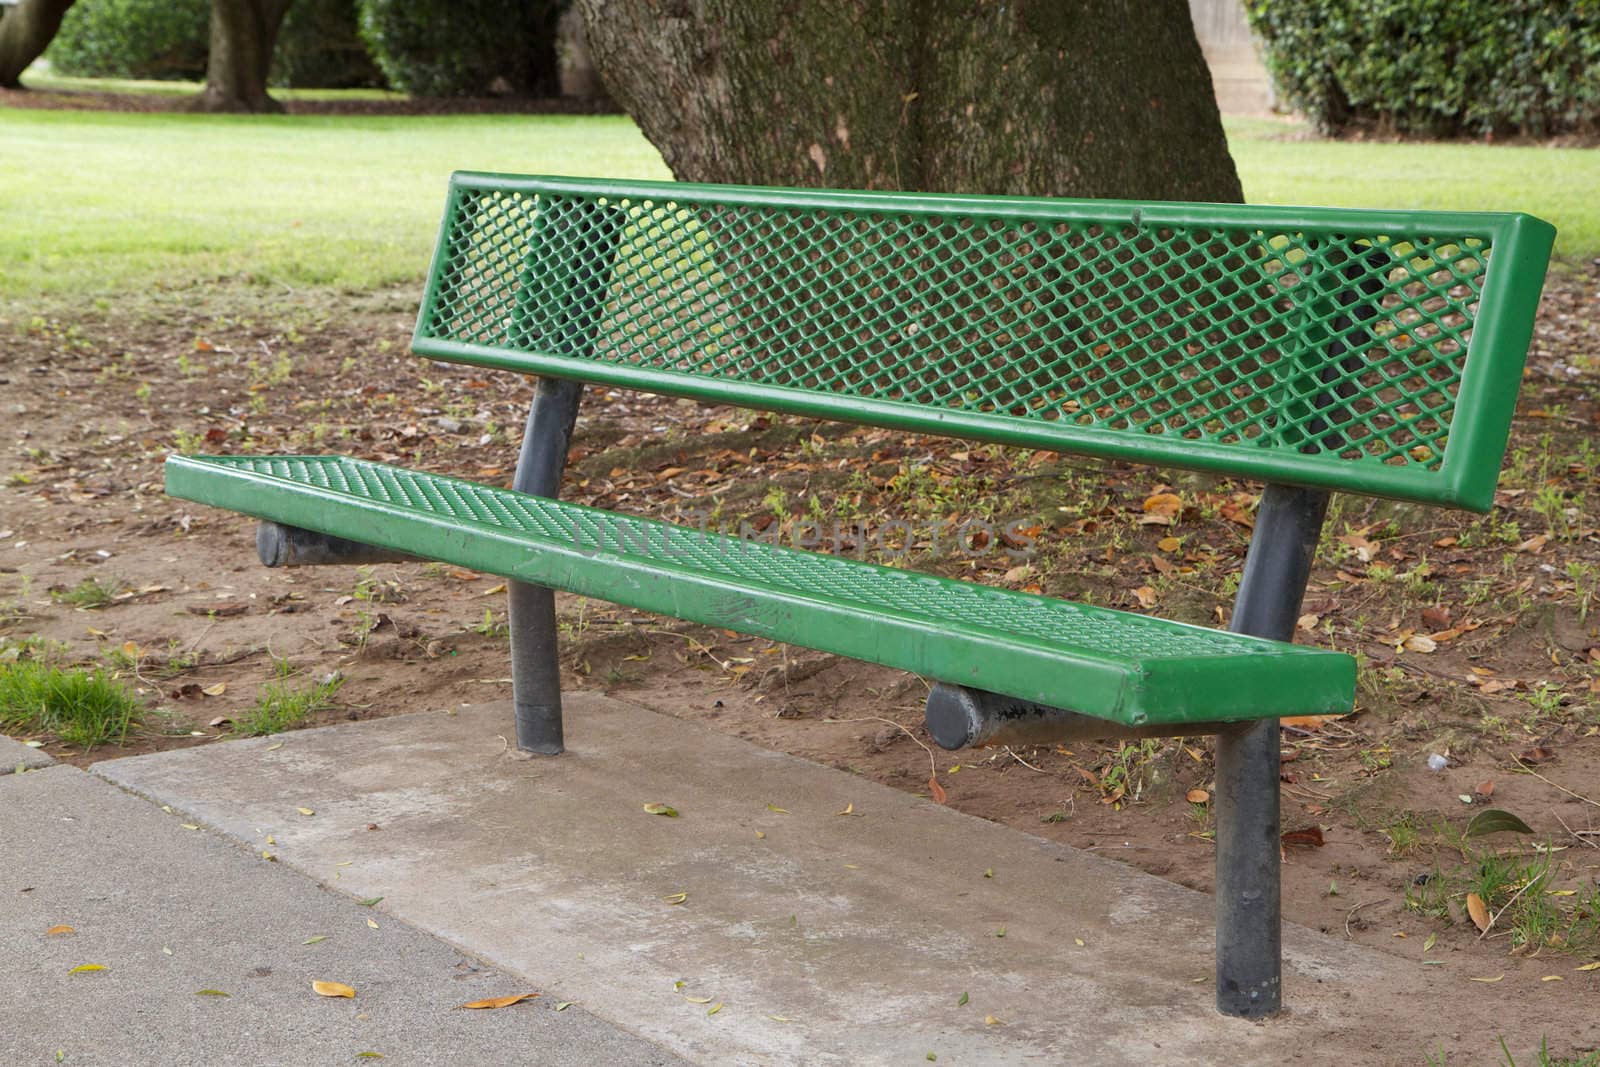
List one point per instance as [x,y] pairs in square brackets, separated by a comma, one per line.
[535,662]
[1249,913]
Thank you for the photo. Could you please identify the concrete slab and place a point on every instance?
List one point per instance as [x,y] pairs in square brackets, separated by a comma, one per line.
[830,939]
[169,912]
[16,756]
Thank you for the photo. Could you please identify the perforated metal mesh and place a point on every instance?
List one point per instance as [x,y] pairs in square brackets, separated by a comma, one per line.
[1330,343]
[953,606]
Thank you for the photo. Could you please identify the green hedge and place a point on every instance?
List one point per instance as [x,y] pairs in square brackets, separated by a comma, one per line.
[464,47]
[162,39]
[320,47]
[1437,67]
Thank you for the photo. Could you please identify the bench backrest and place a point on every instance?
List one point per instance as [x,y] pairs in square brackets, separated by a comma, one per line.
[1375,352]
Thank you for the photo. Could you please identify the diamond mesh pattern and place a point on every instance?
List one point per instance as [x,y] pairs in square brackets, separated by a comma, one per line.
[954,606]
[1345,346]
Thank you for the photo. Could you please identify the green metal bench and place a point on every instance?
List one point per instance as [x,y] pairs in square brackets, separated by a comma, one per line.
[1314,350]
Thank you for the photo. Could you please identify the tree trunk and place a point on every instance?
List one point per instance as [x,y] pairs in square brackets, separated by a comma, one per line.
[1039,97]
[25,31]
[243,34]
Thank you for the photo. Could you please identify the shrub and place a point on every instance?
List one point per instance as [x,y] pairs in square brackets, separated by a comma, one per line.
[1437,67]
[320,47]
[463,47]
[162,39]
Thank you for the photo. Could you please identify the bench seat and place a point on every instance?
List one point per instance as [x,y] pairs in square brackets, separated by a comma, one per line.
[1136,670]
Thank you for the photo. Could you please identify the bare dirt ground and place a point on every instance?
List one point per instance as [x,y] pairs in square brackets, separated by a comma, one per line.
[1479,636]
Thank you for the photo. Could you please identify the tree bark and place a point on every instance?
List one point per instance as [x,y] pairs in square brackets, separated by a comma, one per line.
[1040,97]
[25,32]
[243,35]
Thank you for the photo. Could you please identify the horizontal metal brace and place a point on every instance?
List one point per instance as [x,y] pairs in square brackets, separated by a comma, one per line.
[958,717]
[290,546]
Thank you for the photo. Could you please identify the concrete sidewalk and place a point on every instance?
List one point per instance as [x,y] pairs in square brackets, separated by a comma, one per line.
[168,912]
[872,937]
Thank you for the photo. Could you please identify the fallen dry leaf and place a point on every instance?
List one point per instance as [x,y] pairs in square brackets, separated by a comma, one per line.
[1590,966]
[849,809]
[210,993]
[1540,754]
[1364,549]
[1496,978]
[1310,837]
[59,930]
[1197,796]
[1168,504]
[85,968]
[215,690]
[498,1002]
[661,809]
[1478,911]
[937,790]
[1308,722]
[1420,643]
[332,989]
[676,898]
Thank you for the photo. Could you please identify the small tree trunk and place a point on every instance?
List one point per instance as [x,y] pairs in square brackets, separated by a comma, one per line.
[25,32]
[243,35]
[1109,99]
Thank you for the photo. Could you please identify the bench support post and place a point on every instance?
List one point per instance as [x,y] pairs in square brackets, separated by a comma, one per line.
[1249,912]
[535,659]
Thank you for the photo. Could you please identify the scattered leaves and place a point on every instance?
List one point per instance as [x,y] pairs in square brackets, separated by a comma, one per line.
[1478,911]
[54,930]
[332,989]
[210,993]
[1493,821]
[1310,837]
[312,940]
[849,809]
[661,809]
[676,898]
[1197,796]
[85,968]
[936,790]
[780,811]
[305,811]
[714,1008]
[498,1002]
[1487,981]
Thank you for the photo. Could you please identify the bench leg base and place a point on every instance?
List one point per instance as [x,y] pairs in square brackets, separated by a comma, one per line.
[1249,910]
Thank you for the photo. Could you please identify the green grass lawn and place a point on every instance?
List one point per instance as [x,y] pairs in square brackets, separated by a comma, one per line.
[98,206]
